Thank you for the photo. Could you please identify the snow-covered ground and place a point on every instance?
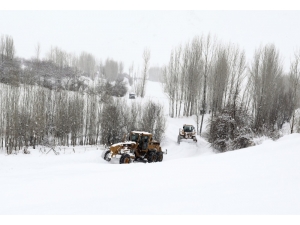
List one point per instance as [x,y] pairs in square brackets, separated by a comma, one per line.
[191,180]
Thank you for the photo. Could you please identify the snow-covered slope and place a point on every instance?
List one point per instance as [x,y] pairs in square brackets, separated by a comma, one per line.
[192,179]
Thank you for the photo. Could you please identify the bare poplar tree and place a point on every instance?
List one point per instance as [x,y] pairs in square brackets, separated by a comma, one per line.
[294,85]
[9,48]
[2,47]
[110,69]
[35,74]
[120,67]
[170,75]
[265,71]
[37,51]
[153,120]
[208,54]
[87,64]
[146,58]
[219,78]
[237,68]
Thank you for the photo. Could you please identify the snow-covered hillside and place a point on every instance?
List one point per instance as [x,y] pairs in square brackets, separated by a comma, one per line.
[192,179]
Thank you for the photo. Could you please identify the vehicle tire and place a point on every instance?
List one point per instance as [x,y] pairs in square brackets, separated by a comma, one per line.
[160,156]
[125,159]
[106,157]
[151,157]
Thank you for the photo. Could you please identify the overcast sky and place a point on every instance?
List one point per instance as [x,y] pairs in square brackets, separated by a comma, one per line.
[123,35]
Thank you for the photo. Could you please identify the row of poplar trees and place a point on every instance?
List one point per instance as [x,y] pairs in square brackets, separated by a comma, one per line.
[33,115]
[243,97]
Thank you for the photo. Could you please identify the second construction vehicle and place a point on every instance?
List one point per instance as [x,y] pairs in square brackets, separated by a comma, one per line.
[140,148]
[187,132]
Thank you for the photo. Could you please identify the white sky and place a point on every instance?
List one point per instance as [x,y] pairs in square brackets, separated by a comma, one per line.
[123,35]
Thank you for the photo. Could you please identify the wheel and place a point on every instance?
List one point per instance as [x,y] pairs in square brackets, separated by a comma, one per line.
[106,156]
[125,159]
[151,157]
[160,156]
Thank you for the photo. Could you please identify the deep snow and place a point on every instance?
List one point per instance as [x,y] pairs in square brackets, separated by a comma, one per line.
[192,179]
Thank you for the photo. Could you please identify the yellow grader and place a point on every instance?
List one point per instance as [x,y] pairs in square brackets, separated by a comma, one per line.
[140,148]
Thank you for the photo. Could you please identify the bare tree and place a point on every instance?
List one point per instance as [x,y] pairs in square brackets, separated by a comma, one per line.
[120,67]
[9,48]
[171,84]
[219,79]
[208,54]
[87,64]
[146,58]
[2,47]
[294,84]
[37,51]
[110,69]
[153,120]
[111,123]
[265,71]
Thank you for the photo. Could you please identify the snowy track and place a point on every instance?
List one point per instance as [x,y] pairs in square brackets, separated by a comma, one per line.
[191,180]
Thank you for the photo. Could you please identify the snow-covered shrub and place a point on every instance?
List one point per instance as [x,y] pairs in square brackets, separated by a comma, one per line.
[285,130]
[257,140]
[230,130]
[118,89]
[26,151]
[242,141]
[273,133]
[219,131]
[295,121]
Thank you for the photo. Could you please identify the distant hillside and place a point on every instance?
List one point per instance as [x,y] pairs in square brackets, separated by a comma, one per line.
[48,74]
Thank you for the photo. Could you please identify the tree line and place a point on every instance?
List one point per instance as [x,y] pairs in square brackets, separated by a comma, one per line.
[244,98]
[204,75]
[46,102]
[60,70]
[34,115]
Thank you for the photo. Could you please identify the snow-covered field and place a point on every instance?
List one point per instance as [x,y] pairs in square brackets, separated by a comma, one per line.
[191,180]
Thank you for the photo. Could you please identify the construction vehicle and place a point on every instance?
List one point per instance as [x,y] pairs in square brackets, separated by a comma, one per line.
[131,95]
[139,148]
[187,132]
